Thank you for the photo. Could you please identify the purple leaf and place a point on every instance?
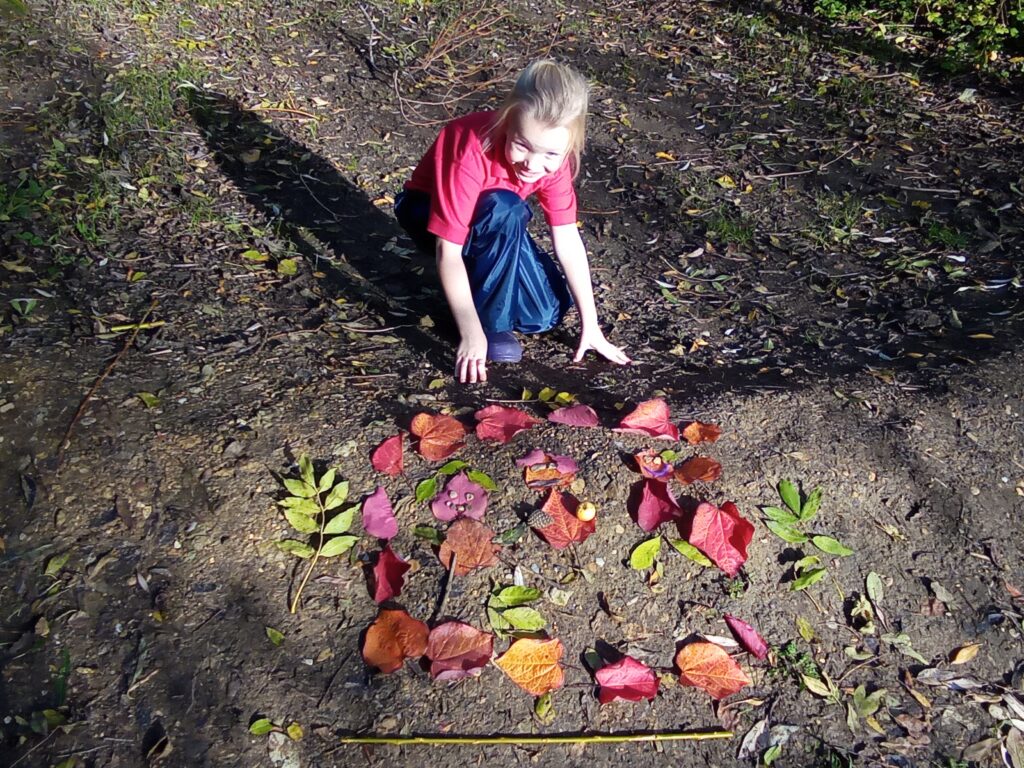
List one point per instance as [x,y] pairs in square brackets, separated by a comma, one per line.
[378,516]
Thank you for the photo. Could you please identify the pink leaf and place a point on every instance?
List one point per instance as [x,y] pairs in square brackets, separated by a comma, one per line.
[722,535]
[461,497]
[378,516]
[650,418]
[575,416]
[566,465]
[388,575]
[457,650]
[496,422]
[748,637]
[626,679]
[651,503]
[387,457]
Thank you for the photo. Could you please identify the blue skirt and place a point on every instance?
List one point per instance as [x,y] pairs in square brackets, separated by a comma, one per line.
[515,285]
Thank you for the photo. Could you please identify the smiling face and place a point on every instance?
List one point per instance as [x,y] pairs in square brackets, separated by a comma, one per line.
[535,150]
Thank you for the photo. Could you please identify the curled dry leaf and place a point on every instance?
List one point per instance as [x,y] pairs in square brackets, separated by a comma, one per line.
[393,637]
[575,416]
[534,665]
[471,542]
[461,497]
[699,432]
[378,516]
[457,650]
[388,456]
[564,527]
[650,418]
[388,575]
[698,468]
[651,503]
[964,653]
[542,471]
[626,679]
[723,535]
[652,466]
[710,668]
[439,435]
[498,422]
[748,636]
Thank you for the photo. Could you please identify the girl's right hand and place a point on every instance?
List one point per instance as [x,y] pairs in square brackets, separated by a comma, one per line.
[471,359]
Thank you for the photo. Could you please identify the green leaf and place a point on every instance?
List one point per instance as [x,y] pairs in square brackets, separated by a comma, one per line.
[512,535]
[341,522]
[830,545]
[300,522]
[804,563]
[305,506]
[807,579]
[786,532]
[511,597]
[873,583]
[482,479]
[810,506]
[261,727]
[337,495]
[148,399]
[803,626]
[780,515]
[902,644]
[866,704]
[771,755]
[294,732]
[339,545]
[287,267]
[451,467]
[426,489]
[55,563]
[543,708]
[524,619]
[686,549]
[643,554]
[790,495]
[326,480]
[815,686]
[306,470]
[428,533]
[275,636]
[300,488]
[296,548]
[498,624]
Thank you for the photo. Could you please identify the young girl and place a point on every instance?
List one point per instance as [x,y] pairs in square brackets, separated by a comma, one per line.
[466,203]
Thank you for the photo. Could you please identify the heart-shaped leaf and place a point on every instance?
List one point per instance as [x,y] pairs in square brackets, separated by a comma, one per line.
[651,503]
[534,665]
[457,650]
[708,667]
[723,535]
[388,575]
[500,423]
[650,418]
[626,679]
[471,543]
[388,456]
[378,515]
[439,435]
[575,416]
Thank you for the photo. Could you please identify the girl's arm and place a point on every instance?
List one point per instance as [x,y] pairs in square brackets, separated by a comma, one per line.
[471,355]
[572,255]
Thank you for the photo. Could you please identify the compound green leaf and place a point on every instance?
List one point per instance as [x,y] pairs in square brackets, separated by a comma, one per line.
[339,545]
[790,495]
[786,532]
[300,522]
[341,522]
[296,548]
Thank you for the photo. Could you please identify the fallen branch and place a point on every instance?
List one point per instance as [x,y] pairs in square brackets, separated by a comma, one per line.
[573,738]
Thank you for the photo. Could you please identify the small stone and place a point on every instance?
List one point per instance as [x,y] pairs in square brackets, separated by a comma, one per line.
[975,490]
[6,407]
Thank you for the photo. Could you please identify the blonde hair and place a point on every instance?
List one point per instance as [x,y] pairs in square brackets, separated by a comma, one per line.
[552,94]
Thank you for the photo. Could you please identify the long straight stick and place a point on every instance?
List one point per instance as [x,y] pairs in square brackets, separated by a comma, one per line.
[579,738]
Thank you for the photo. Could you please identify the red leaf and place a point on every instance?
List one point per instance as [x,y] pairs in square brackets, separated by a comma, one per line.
[699,432]
[698,468]
[388,575]
[496,422]
[457,650]
[650,418]
[387,457]
[651,503]
[708,667]
[626,679]
[652,466]
[393,637]
[575,416]
[461,497]
[748,637]
[564,528]
[723,535]
[440,436]
[378,516]
[543,471]
[470,542]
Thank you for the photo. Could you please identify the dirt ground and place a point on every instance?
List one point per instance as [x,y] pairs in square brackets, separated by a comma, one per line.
[798,235]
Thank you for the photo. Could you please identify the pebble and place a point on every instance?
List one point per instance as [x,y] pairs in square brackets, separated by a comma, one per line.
[6,407]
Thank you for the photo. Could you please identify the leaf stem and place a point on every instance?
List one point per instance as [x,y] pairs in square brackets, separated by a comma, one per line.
[571,738]
[316,555]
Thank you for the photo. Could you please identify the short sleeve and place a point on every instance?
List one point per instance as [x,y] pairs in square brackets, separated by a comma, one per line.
[458,180]
[557,198]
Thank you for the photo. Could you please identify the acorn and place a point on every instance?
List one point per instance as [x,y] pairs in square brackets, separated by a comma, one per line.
[586,511]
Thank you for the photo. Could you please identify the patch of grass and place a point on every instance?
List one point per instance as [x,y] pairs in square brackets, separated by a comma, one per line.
[950,237]
[730,227]
[838,217]
[145,99]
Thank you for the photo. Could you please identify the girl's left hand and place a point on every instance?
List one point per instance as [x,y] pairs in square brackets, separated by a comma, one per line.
[596,341]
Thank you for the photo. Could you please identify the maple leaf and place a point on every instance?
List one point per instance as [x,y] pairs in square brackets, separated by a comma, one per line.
[650,418]
[722,534]
[497,422]
[626,679]
[388,575]
[544,470]
[707,666]
[699,432]
[440,436]
[575,416]
[651,503]
[461,497]
[388,456]
[470,542]
[533,665]
[378,516]
[698,468]
[457,650]
[748,636]
[564,528]
[652,466]
[393,637]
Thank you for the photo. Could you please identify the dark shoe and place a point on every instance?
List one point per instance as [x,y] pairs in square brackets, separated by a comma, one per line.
[503,347]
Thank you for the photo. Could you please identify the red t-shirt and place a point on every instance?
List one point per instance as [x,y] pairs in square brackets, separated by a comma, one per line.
[456,169]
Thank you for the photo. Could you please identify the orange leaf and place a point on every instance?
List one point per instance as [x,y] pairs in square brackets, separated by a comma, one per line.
[440,436]
[470,541]
[394,637]
[707,666]
[699,432]
[565,527]
[533,665]
[698,468]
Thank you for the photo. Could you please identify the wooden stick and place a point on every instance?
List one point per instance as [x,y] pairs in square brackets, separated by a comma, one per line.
[555,738]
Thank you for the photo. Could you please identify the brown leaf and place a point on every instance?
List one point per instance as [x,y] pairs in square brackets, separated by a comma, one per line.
[707,666]
[534,665]
[698,468]
[699,432]
[394,637]
[470,541]
[440,436]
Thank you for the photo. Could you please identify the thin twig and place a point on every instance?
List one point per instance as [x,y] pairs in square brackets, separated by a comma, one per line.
[447,586]
[574,738]
[286,110]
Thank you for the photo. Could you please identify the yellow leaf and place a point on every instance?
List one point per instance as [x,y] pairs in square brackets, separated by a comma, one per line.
[981,336]
[964,653]
[533,665]
[295,732]
[726,182]
[664,156]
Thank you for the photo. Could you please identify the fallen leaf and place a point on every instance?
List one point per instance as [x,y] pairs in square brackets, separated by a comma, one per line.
[457,650]
[698,468]
[575,416]
[653,466]
[748,636]
[964,653]
[378,516]
[440,436]
[542,471]
[534,665]
[498,422]
[388,575]
[650,418]
[699,432]
[393,637]
[710,668]
[651,503]
[387,457]
[565,527]
[722,534]
[626,679]
[470,541]
[461,497]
